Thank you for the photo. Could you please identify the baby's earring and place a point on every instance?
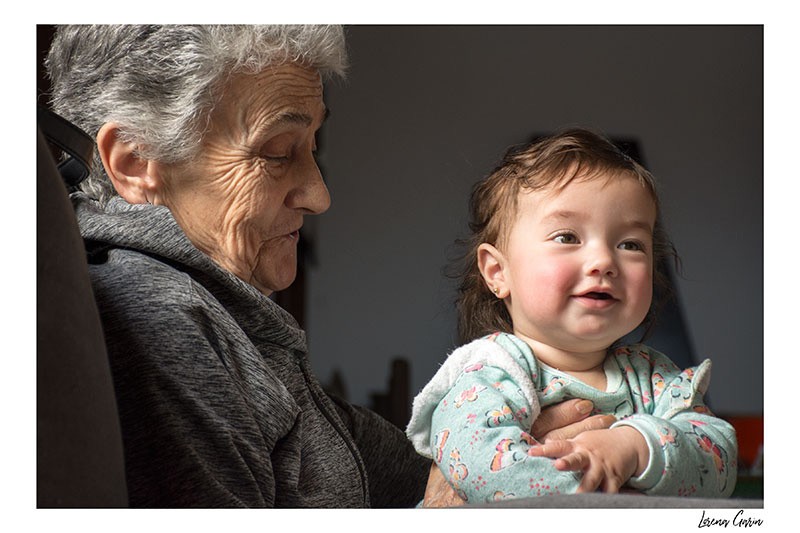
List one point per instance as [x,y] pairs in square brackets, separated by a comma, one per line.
[496,291]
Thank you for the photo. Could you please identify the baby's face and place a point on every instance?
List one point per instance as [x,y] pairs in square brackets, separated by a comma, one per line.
[579,263]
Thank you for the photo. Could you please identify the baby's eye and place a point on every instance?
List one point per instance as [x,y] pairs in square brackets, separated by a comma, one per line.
[631,246]
[566,238]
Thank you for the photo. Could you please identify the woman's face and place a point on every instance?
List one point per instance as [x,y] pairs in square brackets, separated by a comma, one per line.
[243,199]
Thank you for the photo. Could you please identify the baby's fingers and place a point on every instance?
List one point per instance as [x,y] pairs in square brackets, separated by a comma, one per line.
[574,462]
[594,479]
[554,449]
[590,482]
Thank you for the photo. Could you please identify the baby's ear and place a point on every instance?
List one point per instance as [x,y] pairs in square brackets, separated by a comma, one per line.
[137,180]
[491,263]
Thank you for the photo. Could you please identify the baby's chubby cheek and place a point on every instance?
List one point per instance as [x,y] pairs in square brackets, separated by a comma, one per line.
[548,278]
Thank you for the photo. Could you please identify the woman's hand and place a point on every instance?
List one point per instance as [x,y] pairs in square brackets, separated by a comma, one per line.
[557,422]
[439,493]
[567,420]
[608,458]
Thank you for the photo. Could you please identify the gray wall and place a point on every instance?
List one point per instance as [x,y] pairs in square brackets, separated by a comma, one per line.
[428,110]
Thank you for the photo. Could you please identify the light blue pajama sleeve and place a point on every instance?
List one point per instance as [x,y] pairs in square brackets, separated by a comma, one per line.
[474,419]
[479,438]
[692,452]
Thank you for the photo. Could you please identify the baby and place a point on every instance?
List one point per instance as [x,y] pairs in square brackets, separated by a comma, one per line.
[565,239]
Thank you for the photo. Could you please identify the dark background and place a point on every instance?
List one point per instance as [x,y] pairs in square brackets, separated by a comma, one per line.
[428,110]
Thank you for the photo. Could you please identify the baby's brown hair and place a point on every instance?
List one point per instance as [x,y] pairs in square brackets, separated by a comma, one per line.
[552,162]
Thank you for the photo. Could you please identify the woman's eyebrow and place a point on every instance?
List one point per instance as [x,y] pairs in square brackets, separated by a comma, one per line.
[287,120]
[290,118]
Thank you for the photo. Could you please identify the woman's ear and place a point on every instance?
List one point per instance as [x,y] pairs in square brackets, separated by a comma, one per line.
[491,263]
[137,180]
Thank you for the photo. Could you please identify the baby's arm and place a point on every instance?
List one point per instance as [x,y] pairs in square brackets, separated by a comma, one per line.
[558,421]
[693,454]
[608,458]
[481,438]
[687,451]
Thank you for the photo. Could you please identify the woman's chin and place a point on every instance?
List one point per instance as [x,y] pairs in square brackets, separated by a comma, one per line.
[268,283]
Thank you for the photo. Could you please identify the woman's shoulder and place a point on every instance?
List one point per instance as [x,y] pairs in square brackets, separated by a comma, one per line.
[122,274]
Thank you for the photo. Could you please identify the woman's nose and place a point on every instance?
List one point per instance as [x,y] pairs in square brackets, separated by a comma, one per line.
[310,192]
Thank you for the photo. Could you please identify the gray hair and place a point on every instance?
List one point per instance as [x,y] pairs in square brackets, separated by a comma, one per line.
[160,83]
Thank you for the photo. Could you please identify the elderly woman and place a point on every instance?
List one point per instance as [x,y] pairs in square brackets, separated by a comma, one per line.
[204,173]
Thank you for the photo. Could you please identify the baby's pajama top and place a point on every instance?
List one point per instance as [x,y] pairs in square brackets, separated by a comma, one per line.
[473,419]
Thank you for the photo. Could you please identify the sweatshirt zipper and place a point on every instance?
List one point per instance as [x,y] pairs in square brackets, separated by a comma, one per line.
[345,436]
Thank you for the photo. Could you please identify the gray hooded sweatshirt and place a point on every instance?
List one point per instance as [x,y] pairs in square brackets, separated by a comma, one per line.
[218,404]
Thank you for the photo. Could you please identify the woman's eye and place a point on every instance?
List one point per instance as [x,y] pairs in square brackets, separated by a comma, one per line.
[566,238]
[276,158]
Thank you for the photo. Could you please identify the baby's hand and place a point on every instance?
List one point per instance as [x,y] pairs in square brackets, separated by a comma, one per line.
[608,458]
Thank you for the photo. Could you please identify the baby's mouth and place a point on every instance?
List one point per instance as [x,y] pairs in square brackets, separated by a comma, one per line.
[598,295]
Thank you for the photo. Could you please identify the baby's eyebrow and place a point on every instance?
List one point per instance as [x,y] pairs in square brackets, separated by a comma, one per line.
[642,224]
[563,214]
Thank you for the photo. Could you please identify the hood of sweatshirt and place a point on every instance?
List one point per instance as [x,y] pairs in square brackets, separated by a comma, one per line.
[152,230]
